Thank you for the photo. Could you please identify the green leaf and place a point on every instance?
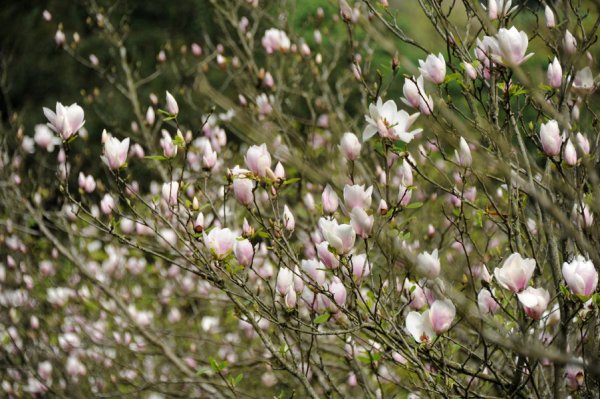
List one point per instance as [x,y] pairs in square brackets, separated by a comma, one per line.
[414,205]
[321,318]
[179,142]
[237,379]
[596,299]
[291,181]
[156,157]
[452,77]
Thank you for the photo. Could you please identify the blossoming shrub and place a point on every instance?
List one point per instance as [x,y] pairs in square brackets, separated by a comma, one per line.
[284,223]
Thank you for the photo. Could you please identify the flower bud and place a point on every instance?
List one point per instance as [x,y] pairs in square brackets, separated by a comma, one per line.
[329,200]
[350,146]
[170,192]
[243,252]
[433,68]
[242,189]
[549,16]
[569,43]
[115,152]
[554,74]
[463,157]
[172,105]
[550,138]
[581,276]
[570,154]
[289,222]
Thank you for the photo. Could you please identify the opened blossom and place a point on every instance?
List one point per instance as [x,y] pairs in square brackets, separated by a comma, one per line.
[581,276]
[385,119]
[275,40]
[219,241]
[508,46]
[357,196]
[534,301]
[66,121]
[515,273]
[115,152]
[340,236]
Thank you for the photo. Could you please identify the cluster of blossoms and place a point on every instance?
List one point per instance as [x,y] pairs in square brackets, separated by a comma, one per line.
[417,252]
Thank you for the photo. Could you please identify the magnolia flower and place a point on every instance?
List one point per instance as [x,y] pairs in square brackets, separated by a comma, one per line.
[419,326]
[275,40]
[45,138]
[356,196]
[242,189]
[107,204]
[66,121]
[361,222]
[534,301]
[583,82]
[167,144]
[338,291]
[326,256]
[433,68]
[172,105]
[510,47]
[554,74]
[574,376]
[220,242]
[499,8]
[550,138]
[582,216]
[583,143]
[515,273]
[569,43]
[428,264]
[315,270]
[549,16]
[350,146]
[169,192]
[361,267]
[463,157]
[386,120]
[415,96]
[581,276]
[285,281]
[329,200]
[339,236]
[441,315]
[289,223]
[570,154]
[486,302]
[115,152]
[244,252]
[258,159]
[415,294]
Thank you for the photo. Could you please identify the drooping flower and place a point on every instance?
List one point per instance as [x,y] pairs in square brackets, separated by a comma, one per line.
[385,119]
[534,301]
[66,121]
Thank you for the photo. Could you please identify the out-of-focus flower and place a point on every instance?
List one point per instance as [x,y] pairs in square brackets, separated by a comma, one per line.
[570,154]
[275,40]
[428,264]
[45,138]
[581,276]
[441,315]
[361,222]
[350,146]
[170,191]
[583,82]
[498,8]
[338,291]
[549,16]
[258,159]
[66,121]
[486,302]
[289,223]
[515,273]
[285,281]
[356,196]
[569,43]
[385,119]
[329,200]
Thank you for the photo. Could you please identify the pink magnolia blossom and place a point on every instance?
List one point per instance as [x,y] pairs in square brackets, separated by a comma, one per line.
[220,241]
[258,159]
[361,222]
[385,119]
[339,236]
[441,315]
[581,276]
[244,252]
[428,264]
[115,152]
[534,301]
[350,146]
[356,196]
[433,68]
[515,273]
